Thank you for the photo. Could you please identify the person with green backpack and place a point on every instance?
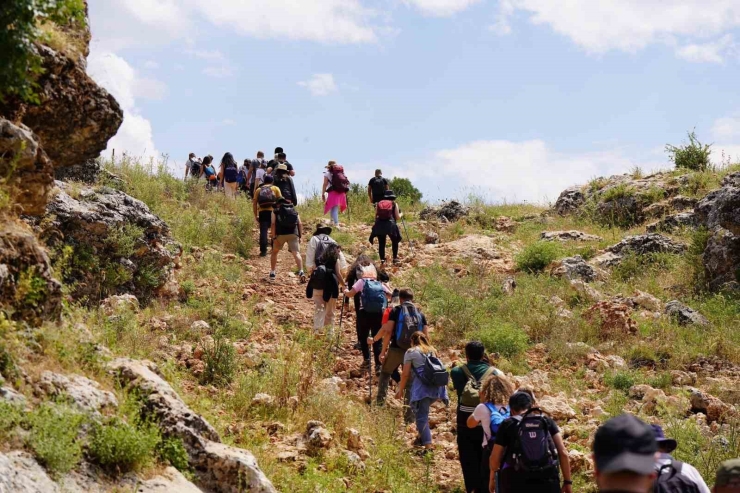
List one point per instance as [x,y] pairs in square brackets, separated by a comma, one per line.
[466,380]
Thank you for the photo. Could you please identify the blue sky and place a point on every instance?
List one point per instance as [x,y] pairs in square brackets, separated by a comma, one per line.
[512,99]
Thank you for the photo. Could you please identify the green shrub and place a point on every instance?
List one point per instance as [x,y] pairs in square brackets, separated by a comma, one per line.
[120,447]
[172,450]
[11,415]
[617,192]
[535,257]
[693,156]
[220,360]
[403,187]
[505,339]
[620,380]
[53,437]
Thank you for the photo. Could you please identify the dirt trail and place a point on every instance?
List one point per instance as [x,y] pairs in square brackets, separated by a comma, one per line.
[291,306]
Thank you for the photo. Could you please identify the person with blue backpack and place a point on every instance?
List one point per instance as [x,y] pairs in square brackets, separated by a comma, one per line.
[229,172]
[373,300]
[493,409]
[529,452]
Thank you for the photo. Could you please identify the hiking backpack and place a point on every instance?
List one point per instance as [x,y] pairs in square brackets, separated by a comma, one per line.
[231,172]
[195,168]
[241,177]
[409,321]
[377,186]
[469,397]
[533,451]
[210,172]
[339,181]
[673,481]
[373,297]
[266,196]
[324,242]
[497,417]
[434,372]
[384,210]
[287,217]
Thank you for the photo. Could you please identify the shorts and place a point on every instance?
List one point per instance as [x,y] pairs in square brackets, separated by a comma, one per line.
[291,240]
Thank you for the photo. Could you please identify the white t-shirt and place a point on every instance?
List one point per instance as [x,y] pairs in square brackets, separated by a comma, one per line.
[483,414]
[687,470]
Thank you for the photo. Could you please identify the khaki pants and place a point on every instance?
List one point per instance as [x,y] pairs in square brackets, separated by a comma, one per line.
[323,315]
[230,189]
[393,360]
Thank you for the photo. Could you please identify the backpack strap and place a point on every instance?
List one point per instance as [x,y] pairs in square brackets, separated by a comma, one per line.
[467,373]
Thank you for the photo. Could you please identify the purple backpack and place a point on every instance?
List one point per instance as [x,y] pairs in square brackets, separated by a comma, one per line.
[533,451]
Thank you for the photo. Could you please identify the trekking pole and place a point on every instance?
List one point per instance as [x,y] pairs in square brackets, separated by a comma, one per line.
[406,231]
[341,315]
[370,377]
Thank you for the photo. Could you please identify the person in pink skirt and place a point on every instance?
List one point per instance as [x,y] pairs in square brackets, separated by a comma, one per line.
[336,185]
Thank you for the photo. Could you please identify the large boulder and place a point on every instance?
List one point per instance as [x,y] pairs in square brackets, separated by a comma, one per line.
[684,314]
[573,268]
[20,473]
[613,318]
[447,212]
[569,201]
[218,467]
[637,245]
[86,394]
[110,232]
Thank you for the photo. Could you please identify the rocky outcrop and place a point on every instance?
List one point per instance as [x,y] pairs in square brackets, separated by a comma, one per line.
[712,407]
[637,245]
[719,212]
[83,392]
[684,314]
[20,473]
[573,268]
[613,318]
[118,232]
[665,207]
[570,201]
[673,222]
[218,467]
[446,212]
[571,235]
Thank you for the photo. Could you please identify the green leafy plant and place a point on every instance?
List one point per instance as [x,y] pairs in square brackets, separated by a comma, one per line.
[535,257]
[120,447]
[172,450]
[403,187]
[694,155]
[54,436]
[220,360]
[505,339]
[620,380]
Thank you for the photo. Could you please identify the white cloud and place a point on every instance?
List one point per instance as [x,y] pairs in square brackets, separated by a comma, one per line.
[209,55]
[501,25]
[218,65]
[516,171]
[219,72]
[320,84]
[441,8]
[712,52]
[228,122]
[630,25]
[120,79]
[151,64]
[147,88]
[727,127]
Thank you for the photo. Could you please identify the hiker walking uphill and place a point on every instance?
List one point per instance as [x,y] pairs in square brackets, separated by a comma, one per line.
[263,203]
[493,409]
[429,383]
[256,172]
[325,263]
[528,452]
[334,191]
[229,172]
[376,187]
[242,179]
[281,158]
[403,321]
[286,229]
[673,475]
[372,296]
[387,216]
[193,167]
[466,380]
[209,172]
[285,183]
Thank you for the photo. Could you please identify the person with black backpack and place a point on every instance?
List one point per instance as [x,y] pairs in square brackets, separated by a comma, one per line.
[264,201]
[429,383]
[256,172]
[372,295]
[286,228]
[466,380]
[674,476]
[403,321]
[336,185]
[376,187]
[528,452]
[387,216]
[285,183]
[229,172]
[193,166]
[326,264]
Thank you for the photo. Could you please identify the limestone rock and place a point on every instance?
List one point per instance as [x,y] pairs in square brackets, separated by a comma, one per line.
[509,285]
[537,381]
[573,268]
[579,461]
[20,473]
[332,385]
[647,301]
[85,393]
[354,460]
[614,319]
[684,314]
[711,406]
[665,207]
[585,291]
[505,224]
[262,399]
[679,377]
[673,222]
[200,326]
[118,303]
[170,481]
[557,407]
[9,395]
[354,440]
[571,235]
[431,238]
[645,244]
[318,438]
[569,201]
[447,211]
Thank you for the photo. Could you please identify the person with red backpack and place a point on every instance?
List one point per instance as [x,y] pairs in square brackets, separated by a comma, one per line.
[336,185]
[387,216]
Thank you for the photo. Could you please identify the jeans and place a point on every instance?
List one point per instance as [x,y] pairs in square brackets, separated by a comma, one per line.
[421,410]
[265,220]
[334,213]
[323,315]
[469,447]
[368,324]
[381,247]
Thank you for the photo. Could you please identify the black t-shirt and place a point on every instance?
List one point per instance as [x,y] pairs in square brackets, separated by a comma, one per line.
[274,164]
[378,186]
[394,316]
[513,481]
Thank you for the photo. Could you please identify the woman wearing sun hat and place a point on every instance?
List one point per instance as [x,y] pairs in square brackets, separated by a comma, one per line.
[334,191]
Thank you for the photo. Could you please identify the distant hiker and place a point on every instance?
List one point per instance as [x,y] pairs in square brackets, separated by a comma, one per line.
[229,173]
[421,362]
[256,172]
[728,477]
[286,228]
[281,158]
[336,185]
[209,172]
[527,451]
[673,475]
[624,455]
[264,201]
[193,166]
[376,187]
[466,380]
[493,409]
[403,321]
[326,263]
[387,216]
[372,297]
[242,179]
[285,183]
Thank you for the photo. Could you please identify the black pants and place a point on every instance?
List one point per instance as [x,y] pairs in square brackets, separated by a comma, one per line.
[485,467]
[469,447]
[368,324]
[265,220]
[381,247]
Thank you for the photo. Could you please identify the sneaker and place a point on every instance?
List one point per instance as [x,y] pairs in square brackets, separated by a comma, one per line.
[302,276]
[263,254]
[365,365]
[272,276]
[396,261]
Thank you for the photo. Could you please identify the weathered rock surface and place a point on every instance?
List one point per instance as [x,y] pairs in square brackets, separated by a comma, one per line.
[637,245]
[447,212]
[673,222]
[85,393]
[613,317]
[585,291]
[711,406]
[557,407]
[573,268]
[684,314]
[569,201]
[88,172]
[673,204]
[218,467]
[571,235]
[170,481]
[119,231]
[20,473]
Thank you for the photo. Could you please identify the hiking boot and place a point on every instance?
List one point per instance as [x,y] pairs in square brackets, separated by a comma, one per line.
[357,346]
[302,276]
[365,365]
[396,261]
[272,276]
[263,253]
[378,365]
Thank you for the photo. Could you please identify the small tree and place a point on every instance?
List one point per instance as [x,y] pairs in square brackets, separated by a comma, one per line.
[403,187]
[693,156]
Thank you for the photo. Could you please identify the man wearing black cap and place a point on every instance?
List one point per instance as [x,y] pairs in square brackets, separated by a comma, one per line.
[281,158]
[683,477]
[624,456]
